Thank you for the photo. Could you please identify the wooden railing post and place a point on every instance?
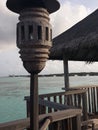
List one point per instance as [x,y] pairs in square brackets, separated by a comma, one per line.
[78,120]
[84,100]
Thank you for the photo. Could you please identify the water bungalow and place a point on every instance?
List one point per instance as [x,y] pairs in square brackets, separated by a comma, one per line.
[75,108]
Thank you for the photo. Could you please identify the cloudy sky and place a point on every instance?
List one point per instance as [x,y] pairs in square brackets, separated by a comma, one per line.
[71,12]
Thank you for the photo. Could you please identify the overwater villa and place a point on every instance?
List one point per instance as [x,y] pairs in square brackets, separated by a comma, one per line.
[74,108]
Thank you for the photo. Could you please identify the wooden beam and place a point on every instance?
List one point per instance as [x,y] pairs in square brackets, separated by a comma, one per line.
[70,92]
[61,115]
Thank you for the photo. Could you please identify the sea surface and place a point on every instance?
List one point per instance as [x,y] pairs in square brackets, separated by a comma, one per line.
[14,89]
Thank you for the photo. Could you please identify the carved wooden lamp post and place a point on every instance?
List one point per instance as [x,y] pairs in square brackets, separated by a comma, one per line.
[34,38]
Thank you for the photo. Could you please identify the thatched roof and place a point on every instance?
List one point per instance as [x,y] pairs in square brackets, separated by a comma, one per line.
[79,43]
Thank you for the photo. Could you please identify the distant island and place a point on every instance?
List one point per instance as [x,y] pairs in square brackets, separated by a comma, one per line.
[62,74]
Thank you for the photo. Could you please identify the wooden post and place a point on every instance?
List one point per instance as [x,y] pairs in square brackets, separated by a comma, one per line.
[78,122]
[66,73]
[34,102]
[84,99]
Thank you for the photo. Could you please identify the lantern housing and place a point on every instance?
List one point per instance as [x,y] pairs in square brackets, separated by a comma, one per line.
[34,32]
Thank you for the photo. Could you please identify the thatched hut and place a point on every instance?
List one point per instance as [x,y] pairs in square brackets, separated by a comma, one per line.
[79,43]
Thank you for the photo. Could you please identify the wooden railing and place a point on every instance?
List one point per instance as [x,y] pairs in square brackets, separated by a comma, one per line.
[85,98]
[92,99]
[70,99]
[57,120]
[15,125]
[64,120]
[58,110]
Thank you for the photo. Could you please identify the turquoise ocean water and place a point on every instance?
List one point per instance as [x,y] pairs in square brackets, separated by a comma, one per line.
[13,90]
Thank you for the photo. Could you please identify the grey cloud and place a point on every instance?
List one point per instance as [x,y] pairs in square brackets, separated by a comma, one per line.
[7,27]
[11,63]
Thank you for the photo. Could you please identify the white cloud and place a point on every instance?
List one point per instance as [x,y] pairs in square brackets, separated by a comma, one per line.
[53,67]
[67,16]
[74,66]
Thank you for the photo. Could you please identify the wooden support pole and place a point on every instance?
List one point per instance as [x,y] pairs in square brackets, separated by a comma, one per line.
[34,102]
[66,73]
